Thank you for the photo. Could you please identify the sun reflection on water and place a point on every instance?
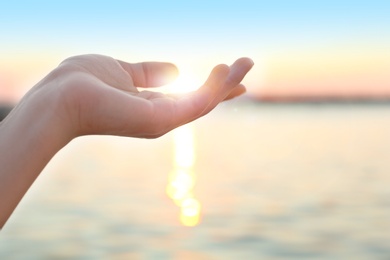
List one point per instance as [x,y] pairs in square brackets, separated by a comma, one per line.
[182,178]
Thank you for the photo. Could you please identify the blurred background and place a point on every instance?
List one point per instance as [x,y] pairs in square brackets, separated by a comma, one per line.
[298,167]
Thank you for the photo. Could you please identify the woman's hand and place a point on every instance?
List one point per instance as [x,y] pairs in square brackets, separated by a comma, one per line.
[94,94]
[100,95]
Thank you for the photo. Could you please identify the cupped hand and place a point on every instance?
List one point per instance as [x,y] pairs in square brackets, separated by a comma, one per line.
[93,94]
[100,95]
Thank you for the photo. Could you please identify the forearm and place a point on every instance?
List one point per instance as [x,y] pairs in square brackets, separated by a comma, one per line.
[29,137]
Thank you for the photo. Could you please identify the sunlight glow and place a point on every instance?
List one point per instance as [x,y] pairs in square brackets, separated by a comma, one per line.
[182,179]
[190,209]
[187,81]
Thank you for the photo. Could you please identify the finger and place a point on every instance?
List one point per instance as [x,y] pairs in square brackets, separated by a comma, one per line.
[237,91]
[150,74]
[238,70]
[191,105]
[215,80]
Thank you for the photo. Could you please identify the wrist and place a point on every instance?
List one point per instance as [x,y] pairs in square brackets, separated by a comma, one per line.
[29,137]
[37,121]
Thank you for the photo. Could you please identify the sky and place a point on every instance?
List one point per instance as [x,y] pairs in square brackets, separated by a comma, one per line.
[300,46]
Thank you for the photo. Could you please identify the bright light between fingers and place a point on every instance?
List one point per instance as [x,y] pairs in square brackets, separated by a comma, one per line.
[187,81]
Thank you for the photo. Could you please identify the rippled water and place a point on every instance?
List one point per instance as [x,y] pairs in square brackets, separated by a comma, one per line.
[270,181]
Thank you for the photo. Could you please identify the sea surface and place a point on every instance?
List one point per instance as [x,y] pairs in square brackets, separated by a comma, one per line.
[248,181]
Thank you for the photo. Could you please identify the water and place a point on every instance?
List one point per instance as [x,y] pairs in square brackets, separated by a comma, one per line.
[271,181]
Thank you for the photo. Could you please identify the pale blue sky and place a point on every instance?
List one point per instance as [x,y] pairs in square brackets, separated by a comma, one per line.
[181,24]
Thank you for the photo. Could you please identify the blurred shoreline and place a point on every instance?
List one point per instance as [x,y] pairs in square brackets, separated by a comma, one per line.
[318,99]
[322,101]
[6,108]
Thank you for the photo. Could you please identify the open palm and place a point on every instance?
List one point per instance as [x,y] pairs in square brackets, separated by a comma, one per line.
[101,95]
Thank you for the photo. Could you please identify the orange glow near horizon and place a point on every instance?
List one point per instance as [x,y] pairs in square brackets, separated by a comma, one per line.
[337,71]
[19,73]
[328,72]
[182,179]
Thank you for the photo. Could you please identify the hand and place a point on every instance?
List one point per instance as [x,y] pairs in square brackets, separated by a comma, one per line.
[95,94]
[100,95]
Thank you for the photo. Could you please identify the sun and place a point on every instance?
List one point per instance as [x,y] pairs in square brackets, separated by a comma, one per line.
[187,81]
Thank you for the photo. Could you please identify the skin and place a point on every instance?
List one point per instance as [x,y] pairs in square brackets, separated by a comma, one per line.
[98,95]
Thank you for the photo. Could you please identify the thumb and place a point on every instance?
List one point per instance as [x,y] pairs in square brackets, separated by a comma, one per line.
[150,74]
